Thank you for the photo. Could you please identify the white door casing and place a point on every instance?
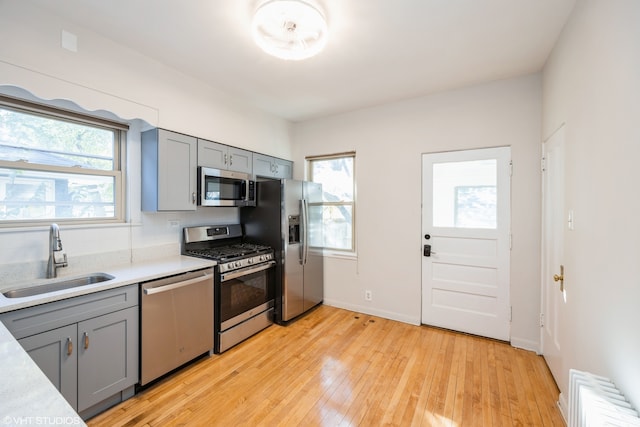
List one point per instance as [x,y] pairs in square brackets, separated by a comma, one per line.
[466,205]
[553,217]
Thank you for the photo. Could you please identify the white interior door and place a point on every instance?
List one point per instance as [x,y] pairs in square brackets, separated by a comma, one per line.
[466,226]
[553,294]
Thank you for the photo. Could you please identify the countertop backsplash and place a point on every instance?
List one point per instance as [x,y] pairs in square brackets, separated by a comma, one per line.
[21,272]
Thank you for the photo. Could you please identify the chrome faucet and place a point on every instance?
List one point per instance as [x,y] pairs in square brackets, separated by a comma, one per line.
[55,245]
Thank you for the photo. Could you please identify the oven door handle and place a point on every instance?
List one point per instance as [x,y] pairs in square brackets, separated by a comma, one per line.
[245,271]
[171,286]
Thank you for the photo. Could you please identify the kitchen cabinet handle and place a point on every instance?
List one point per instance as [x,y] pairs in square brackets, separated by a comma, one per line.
[225,159]
[69,346]
[86,340]
[159,289]
[230,159]
[193,197]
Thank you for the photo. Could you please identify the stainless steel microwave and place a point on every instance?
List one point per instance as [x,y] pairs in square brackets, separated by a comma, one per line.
[218,187]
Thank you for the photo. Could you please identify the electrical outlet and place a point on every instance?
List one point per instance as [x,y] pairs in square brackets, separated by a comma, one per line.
[367,295]
[174,224]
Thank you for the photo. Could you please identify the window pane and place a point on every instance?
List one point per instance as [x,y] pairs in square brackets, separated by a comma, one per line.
[50,141]
[35,195]
[336,176]
[336,231]
[464,194]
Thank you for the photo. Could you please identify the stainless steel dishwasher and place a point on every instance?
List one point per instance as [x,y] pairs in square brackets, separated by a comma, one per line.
[176,322]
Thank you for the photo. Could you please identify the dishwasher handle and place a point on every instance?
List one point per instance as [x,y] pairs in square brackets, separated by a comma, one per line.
[165,288]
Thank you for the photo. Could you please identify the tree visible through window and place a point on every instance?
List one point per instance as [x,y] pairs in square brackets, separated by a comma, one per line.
[54,167]
[336,174]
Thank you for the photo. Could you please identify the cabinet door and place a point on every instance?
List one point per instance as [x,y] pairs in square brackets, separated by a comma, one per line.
[283,168]
[262,165]
[212,155]
[107,356]
[55,354]
[240,160]
[177,163]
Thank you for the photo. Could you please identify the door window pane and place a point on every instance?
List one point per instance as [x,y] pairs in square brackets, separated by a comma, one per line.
[465,194]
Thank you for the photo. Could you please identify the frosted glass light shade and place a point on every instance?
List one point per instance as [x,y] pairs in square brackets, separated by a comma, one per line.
[289,29]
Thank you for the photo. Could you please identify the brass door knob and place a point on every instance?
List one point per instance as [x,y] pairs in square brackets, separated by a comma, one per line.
[560,278]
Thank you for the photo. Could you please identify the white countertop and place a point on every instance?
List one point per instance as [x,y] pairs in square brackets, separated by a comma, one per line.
[27,397]
[123,275]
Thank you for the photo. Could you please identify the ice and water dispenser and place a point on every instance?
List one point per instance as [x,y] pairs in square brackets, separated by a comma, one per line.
[294,229]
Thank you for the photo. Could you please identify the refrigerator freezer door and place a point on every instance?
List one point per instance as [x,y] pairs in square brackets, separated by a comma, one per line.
[292,277]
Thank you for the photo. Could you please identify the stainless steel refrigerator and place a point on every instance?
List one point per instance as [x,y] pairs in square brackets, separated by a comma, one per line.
[284,218]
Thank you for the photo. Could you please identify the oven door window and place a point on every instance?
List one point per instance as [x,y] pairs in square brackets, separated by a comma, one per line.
[218,188]
[241,294]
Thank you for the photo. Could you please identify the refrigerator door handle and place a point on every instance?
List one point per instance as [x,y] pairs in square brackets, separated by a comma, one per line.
[305,231]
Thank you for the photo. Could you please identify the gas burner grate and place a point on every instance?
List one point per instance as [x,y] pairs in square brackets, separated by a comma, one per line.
[225,253]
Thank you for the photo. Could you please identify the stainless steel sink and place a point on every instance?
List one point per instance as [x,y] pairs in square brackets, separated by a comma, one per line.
[58,285]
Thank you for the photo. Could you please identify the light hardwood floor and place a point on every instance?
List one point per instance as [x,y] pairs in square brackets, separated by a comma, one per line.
[336,367]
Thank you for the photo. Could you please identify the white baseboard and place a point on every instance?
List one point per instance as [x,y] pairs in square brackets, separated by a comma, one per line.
[525,344]
[515,341]
[374,312]
[563,406]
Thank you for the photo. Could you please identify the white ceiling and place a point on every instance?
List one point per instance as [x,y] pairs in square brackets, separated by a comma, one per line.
[378,51]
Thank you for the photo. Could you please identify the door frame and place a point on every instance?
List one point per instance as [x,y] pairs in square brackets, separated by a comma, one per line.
[547,286]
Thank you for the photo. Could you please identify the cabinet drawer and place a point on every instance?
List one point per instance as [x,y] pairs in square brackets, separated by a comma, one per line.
[34,320]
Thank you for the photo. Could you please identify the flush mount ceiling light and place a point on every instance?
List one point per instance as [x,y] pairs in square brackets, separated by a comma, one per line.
[289,29]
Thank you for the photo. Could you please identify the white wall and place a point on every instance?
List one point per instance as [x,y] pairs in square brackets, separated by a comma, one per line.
[592,83]
[389,141]
[106,77]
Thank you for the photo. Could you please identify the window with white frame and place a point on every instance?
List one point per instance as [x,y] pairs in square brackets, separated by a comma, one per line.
[57,165]
[336,173]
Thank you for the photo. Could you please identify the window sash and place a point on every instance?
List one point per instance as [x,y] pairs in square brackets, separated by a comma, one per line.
[346,203]
[116,172]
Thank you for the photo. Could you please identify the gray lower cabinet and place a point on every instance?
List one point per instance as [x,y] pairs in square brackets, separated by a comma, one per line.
[107,356]
[87,346]
[271,167]
[55,354]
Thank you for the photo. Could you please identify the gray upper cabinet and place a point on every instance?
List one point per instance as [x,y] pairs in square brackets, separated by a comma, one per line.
[169,167]
[220,156]
[271,167]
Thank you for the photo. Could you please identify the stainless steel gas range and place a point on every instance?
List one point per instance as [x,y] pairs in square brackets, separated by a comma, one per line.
[243,282]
